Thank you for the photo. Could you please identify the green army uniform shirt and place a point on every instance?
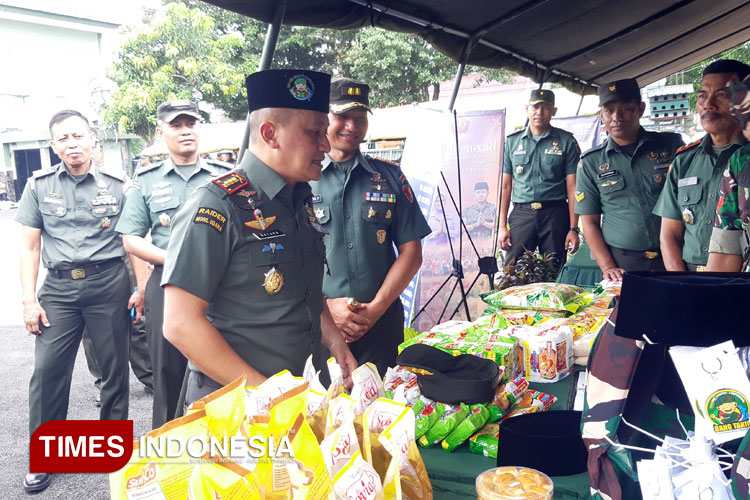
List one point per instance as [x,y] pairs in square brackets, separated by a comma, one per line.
[157,193]
[539,168]
[733,209]
[624,190]
[77,218]
[365,212]
[691,192]
[249,245]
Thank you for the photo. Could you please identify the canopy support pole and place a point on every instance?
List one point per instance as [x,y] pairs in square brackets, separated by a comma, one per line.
[272,36]
[580,103]
[456,84]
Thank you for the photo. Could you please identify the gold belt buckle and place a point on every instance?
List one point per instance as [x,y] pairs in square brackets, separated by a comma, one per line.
[536,206]
[651,255]
[700,269]
[77,274]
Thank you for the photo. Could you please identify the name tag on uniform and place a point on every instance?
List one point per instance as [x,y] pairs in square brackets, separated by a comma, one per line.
[553,151]
[608,173]
[519,152]
[268,235]
[50,199]
[687,181]
[317,198]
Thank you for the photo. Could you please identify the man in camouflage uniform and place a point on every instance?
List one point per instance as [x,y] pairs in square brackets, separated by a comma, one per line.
[688,201]
[730,237]
[158,192]
[480,217]
[619,182]
[244,269]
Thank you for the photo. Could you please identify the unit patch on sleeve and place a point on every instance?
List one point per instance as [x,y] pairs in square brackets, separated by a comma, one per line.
[211,217]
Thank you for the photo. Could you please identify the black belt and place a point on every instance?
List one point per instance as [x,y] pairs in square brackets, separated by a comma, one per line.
[538,205]
[647,254]
[85,271]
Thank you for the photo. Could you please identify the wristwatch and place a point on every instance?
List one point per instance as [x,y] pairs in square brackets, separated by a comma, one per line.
[575,230]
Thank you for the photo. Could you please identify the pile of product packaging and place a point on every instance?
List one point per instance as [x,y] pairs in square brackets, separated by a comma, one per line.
[342,446]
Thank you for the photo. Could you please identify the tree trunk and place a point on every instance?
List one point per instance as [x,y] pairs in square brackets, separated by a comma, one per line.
[435,91]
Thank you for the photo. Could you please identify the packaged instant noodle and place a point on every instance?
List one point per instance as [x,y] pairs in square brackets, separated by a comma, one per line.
[376,418]
[426,418]
[547,354]
[506,397]
[453,416]
[406,477]
[396,377]
[357,479]
[531,402]
[225,480]
[150,474]
[475,420]
[485,441]
[538,296]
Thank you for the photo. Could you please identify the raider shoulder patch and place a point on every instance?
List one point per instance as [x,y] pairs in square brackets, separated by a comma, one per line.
[211,217]
[231,182]
[687,146]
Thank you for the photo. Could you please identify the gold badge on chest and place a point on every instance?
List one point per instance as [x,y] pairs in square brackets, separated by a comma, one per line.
[273,282]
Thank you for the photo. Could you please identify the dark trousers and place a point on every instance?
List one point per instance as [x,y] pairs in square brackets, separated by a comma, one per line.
[197,386]
[99,304]
[545,228]
[380,344]
[167,361]
[632,260]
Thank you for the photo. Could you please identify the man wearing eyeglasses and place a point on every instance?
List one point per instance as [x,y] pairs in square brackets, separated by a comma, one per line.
[619,182]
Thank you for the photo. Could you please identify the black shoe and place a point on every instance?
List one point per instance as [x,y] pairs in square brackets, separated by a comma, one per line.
[34,483]
[148,390]
[98,400]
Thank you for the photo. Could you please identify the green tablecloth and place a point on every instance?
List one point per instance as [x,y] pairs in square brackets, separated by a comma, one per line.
[453,475]
[581,269]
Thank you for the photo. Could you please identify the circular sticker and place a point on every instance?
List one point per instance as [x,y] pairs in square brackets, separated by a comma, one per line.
[301,87]
[728,410]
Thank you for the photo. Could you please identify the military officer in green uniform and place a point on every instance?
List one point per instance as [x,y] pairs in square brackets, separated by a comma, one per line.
[480,216]
[244,270]
[619,182]
[366,206]
[730,240]
[158,192]
[687,204]
[539,169]
[72,208]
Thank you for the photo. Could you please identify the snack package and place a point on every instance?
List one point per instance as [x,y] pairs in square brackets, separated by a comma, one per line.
[357,479]
[406,477]
[426,418]
[528,317]
[367,387]
[394,378]
[225,480]
[474,421]
[612,287]
[377,417]
[340,410]
[485,441]
[531,402]
[147,474]
[339,448]
[547,355]
[453,416]
[506,397]
[538,296]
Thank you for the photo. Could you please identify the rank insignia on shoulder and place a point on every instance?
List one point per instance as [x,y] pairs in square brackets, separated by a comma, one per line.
[231,183]
[260,223]
[579,196]
[210,217]
[268,235]
[687,146]
[406,188]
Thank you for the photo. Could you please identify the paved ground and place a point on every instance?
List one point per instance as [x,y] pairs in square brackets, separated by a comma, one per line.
[16,364]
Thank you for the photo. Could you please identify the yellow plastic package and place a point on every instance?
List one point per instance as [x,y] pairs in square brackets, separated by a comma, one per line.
[224,480]
[377,417]
[357,479]
[368,386]
[340,410]
[225,409]
[258,399]
[406,477]
[160,466]
[339,447]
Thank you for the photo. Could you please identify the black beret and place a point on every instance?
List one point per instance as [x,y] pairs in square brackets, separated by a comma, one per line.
[168,111]
[727,66]
[481,185]
[347,94]
[620,90]
[542,95]
[288,88]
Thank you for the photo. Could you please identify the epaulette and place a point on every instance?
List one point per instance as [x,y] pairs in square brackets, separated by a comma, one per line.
[43,172]
[147,168]
[231,182]
[595,148]
[517,132]
[687,146]
[381,160]
[223,164]
[119,175]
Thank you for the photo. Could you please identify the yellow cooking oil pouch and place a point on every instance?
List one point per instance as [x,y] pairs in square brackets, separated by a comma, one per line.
[224,480]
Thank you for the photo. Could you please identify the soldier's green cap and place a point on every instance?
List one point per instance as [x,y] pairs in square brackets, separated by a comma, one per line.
[347,93]
[542,95]
[168,111]
[288,88]
[620,90]
[481,185]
